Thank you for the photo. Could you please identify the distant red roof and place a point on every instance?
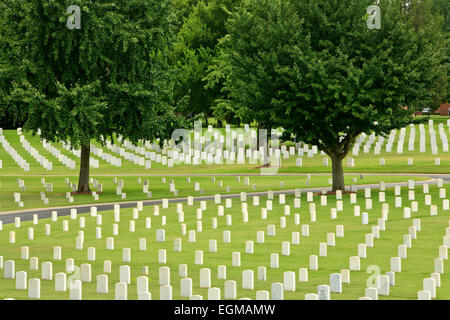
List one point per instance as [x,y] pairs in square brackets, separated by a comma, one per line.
[444,109]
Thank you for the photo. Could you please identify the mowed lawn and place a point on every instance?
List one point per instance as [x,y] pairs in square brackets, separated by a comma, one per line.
[130,172]
[418,265]
[134,190]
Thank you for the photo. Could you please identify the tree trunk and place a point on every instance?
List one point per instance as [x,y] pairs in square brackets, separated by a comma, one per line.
[338,173]
[83,180]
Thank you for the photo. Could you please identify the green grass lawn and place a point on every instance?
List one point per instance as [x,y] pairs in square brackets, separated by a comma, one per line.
[417,266]
[133,189]
[129,172]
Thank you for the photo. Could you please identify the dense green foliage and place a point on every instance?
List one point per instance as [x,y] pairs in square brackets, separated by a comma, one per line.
[109,77]
[315,69]
[442,8]
[194,54]
[312,67]
[423,13]
[199,25]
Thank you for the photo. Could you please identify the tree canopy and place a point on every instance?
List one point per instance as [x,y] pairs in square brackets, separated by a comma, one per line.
[317,70]
[110,76]
[133,68]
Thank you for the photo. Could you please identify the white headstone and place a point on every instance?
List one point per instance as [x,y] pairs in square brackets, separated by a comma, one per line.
[289,281]
[336,282]
[230,289]
[227,236]
[274,260]
[102,284]
[277,291]
[142,284]
[182,270]
[222,272]
[61,282]
[236,259]
[107,266]
[21,280]
[429,284]
[47,271]
[262,295]
[199,257]
[382,283]
[355,263]
[162,256]
[371,293]
[311,296]
[205,278]
[323,292]
[34,263]
[345,273]
[86,272]
[424,295]
[34,288]
[247,279]
[160,235]
[396,264]
[313,262]
[121,291]
[76,290]
[126,255]
[186,287]
[91,254]
[439,265]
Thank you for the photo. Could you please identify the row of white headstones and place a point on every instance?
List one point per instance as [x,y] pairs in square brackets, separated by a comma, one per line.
[21,162]
[170,156]
[43,161]
[401,140]
[65,160]
[48,187]
[336,280]
[216,155]
[253,154]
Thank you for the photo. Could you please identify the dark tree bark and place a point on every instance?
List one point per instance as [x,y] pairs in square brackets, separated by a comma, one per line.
[337,172]
[337,153]
[83,180]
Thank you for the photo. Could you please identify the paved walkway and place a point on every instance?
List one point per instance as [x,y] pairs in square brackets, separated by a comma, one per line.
[26,215]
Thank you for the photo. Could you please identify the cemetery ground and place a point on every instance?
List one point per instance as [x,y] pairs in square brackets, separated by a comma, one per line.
[413,153]
[417,230]
[418,264]
[395,162]
[31,196]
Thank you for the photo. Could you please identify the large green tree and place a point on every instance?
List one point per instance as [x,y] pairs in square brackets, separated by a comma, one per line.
[319,70]
[106,76]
